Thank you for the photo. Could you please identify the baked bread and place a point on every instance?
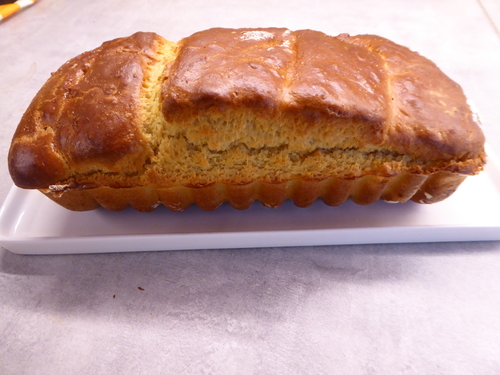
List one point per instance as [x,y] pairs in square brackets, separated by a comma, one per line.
[238,115]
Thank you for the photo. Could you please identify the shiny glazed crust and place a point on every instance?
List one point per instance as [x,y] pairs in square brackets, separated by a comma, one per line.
[242,115]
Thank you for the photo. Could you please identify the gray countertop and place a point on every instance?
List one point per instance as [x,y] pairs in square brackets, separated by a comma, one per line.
[429,308]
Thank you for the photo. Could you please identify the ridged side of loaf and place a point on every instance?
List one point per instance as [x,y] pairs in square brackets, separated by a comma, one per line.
[332,191]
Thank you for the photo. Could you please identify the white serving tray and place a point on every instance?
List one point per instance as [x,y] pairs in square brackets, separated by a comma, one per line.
[30,223]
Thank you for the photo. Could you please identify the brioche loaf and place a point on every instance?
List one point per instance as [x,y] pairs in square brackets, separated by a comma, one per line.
[237,115]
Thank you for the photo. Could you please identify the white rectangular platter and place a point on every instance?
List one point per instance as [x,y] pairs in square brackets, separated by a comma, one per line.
[32,224]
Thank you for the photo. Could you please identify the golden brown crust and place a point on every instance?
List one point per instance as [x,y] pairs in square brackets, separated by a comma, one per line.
[336,79]
[228,68]
[86,116]
[430,116]
[276,72]
[144,121]
[403,99]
